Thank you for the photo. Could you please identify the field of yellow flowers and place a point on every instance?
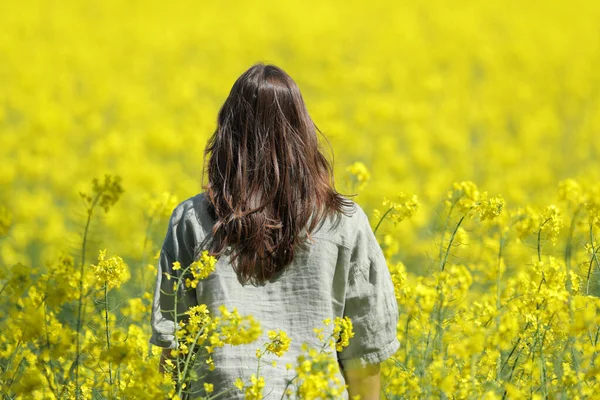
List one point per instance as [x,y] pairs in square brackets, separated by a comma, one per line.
[470,131]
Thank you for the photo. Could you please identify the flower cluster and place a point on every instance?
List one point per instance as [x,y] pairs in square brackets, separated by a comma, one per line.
[318,375]
[105,193]
[112,272]
[466,197]
[200,269]
[279,342]
[342,332]
[404,207]
[194,329]
[360,174]
[235,329]
[254,390]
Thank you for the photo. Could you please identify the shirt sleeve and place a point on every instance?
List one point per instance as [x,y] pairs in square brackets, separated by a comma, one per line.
[370,304]
[165,319]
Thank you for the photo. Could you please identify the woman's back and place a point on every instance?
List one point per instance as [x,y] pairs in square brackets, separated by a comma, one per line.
[341,272]
[270,189]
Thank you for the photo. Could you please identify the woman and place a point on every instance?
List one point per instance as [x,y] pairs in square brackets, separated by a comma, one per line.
[291,251]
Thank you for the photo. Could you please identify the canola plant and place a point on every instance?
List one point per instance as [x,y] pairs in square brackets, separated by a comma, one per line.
[468,130]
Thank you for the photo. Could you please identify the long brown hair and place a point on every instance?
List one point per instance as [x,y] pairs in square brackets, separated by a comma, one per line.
[267,178]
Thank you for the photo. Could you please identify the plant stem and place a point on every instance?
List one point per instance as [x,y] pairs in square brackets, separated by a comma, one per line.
[146,239]
[444,230]
[406,341]
[498,303]
[594,258]
[79,317]
[107,331]
[381,219]
[568,247]
[443,263]
[188,359]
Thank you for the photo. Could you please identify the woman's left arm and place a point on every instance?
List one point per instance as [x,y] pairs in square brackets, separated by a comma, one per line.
[171,300]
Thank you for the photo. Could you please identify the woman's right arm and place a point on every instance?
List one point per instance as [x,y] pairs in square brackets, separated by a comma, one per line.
[364,382]
[371,305]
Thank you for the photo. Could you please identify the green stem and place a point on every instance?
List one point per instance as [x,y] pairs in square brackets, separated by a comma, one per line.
[406,341]
[595,341]
[570,295]
[188,359]
[14,377]
[382,218]
[498,303]
[443,263]
[175,315]
[568,247]
[440,330]
[11,358]
[80,307]
[444,230]
[594,258]
[107,331]
[146,240]
[539,244]
[3,287]
[221,394]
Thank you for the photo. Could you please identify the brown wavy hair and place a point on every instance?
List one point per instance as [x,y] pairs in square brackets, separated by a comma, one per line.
[268,181]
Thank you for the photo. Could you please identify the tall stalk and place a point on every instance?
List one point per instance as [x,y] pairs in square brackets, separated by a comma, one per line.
[498,303]
[146,240]
[443,263]
[80,307]
[107,330]
[382,218]
[592,259]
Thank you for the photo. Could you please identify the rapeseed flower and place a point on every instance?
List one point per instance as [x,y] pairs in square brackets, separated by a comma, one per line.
[404,207]
[318,376]
[200,269]
[279,342]
[342,332]
[112,272]
[360,175]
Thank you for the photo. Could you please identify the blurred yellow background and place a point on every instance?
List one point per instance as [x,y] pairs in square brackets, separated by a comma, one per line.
[504,93]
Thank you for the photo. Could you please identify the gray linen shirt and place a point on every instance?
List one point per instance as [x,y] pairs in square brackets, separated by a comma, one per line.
[341,273]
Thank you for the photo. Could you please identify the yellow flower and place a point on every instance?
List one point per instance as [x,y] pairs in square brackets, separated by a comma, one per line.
[208,387]
[360,174]
[106,193]
[279,342]
[404,207]
[113,271]
[239,384]
[201,269]
[235,329]
[211,363]
[254,390]
[342,332]
[466,197]
[318,376]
